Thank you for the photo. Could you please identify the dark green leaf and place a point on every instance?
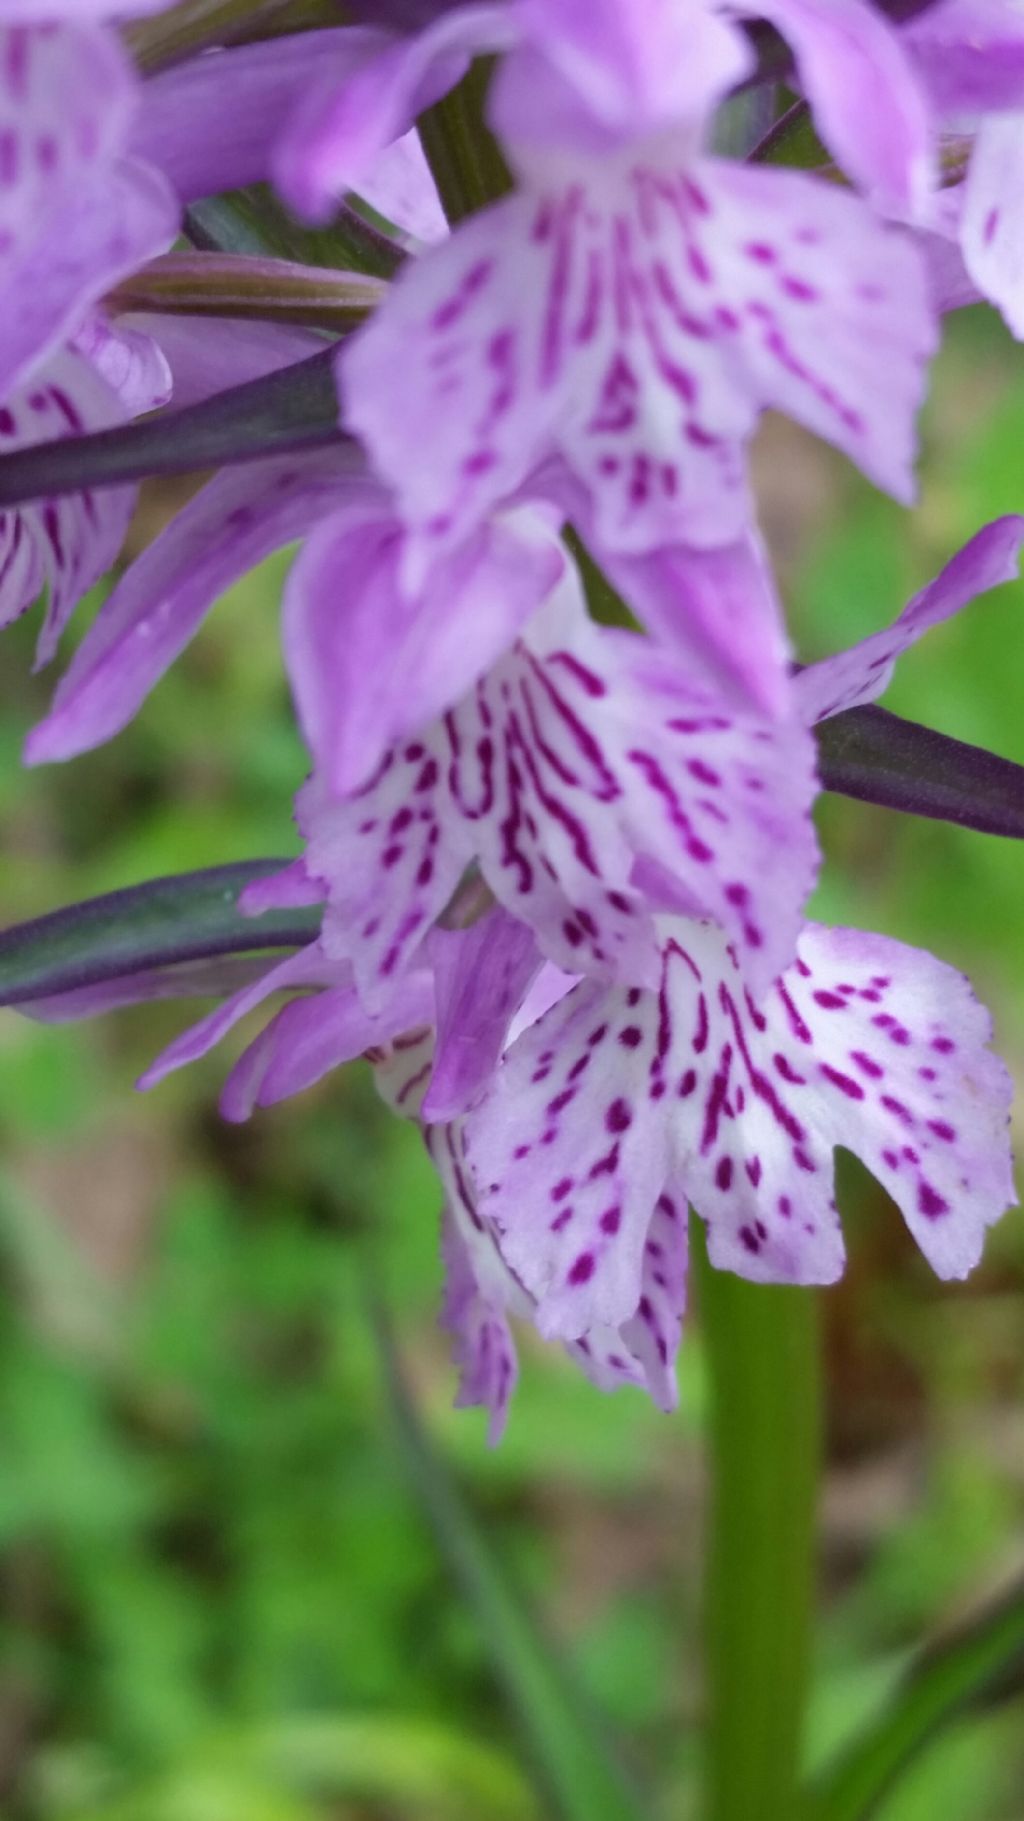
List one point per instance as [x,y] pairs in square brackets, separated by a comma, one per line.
[982,1662]
[880,758]
[567,1739]
[253,220]
[187,917]
[295,408]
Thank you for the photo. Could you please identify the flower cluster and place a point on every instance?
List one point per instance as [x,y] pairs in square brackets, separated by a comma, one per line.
[563,864]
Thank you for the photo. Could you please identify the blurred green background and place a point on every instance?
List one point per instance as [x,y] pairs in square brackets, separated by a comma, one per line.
[222,1598]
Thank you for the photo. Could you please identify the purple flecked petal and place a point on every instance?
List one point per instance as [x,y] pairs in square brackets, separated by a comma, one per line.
[238,518]
[64,544]
[639,321]
[369,665]
[211,123]
[311,1036]
[868,102]
[992,230]
[699,1093]
[864,672]
[591,74]
[67,95]
[344,126]
[579,754]
[206,355]
[483,1348]
[480,977]
[114,221]
[570,1153]
[970,54]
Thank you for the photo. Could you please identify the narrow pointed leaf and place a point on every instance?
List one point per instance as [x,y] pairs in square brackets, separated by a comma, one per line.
[186,917]
[978,1664]
[880,758]
[250,285]
[567,1740]
[291,409]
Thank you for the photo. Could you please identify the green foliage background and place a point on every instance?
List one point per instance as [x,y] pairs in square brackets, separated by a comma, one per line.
[221,1598]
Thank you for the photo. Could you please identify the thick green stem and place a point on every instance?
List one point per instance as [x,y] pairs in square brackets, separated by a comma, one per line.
[765,1442]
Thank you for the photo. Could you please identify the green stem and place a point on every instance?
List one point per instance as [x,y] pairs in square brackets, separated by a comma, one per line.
[464,156]
[765,1440]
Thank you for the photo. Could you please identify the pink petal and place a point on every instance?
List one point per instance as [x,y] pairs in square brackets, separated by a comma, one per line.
[970,54]
[206,356]
[401,188]
[480,976]
[597,72]
[307,967]
[484,1350]
[368,665]
[128,359]
[864,672]
[211,123]
[309,1037]
[719,609]
[344,126]
[237,519]
[868,103]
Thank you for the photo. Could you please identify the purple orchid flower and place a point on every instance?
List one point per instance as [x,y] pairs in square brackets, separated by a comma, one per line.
[581,769]
[586,774]
[611,1107]
[637,304]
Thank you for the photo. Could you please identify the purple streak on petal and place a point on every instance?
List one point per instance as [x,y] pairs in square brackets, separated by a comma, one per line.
[480,977]
[367,665]
[864,672]
[867,101]
[236,520]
